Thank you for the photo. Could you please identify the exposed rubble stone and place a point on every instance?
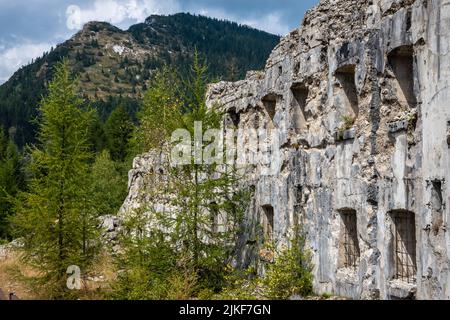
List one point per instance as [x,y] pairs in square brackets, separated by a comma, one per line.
[110,226]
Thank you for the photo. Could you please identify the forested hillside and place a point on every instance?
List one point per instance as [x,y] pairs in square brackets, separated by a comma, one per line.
[114,66]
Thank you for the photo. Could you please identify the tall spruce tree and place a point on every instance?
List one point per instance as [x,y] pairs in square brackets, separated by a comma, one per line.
[3,143]
[210,202]
[161,111]
[12,180]
[118,130]
[109,185]
[97,134]
[55,218]
[194,211]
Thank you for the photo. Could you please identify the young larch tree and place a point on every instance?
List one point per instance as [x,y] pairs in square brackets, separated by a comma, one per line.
[54,217]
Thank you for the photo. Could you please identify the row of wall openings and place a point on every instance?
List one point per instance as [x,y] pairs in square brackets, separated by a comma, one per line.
[401,62]
[299,98]
[404,246]
[349,252]
[403,243]
[349,94]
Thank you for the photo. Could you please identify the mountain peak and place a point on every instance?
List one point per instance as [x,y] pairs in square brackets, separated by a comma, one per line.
[96,26]
[155,17]
[115,66]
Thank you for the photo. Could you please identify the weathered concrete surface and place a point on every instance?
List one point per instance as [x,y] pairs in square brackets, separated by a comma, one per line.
[360,95]
[393,158]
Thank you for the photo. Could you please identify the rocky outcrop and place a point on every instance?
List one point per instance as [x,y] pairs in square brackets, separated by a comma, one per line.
[138,180]
[110,227]
[4,251]
[7,250]
[357,97]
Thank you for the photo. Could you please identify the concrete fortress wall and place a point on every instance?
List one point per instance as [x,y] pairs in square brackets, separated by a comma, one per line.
[360,95]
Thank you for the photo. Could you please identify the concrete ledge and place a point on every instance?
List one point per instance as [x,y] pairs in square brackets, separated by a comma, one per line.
[347,283]
[401,290]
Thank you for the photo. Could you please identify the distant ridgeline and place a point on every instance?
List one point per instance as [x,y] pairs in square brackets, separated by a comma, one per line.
[114,66]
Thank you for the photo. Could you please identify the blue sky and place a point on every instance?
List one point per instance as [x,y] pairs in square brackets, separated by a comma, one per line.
[30,27]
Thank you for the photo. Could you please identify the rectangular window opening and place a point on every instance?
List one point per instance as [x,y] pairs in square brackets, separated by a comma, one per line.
[404,244]
[270,105]
[437,203]
[214,218]
[349,247]
[268,223]
[346,78]
[234,118]
[401,62]
[299,98]
[448,133]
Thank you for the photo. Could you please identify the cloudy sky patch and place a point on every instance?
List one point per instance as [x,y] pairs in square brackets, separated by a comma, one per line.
[30,27]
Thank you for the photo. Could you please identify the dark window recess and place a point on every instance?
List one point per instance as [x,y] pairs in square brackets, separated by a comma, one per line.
[401,62]
[349,240]
[437,206]
[268,222]
[346,78]
[270,104]
[214,217]
[408,20]
[299,115]
[404,246]
[299,194]
[448,133]
[234,117]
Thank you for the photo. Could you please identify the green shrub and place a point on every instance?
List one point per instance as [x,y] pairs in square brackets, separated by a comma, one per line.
[241,285]
[290,274]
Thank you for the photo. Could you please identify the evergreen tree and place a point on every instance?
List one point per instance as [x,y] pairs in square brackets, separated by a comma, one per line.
[161,111]
[55,218]
[205,203]
[209,196]
[97,134]
[109,186]
[3,143]
[12,180]
[118,130]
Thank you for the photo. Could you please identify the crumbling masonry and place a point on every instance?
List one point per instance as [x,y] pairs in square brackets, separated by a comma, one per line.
[360,95]
[362,99]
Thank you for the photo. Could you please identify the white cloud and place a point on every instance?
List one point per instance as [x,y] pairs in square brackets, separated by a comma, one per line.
[121,11]
[271,22]
[118,11]
[13,58]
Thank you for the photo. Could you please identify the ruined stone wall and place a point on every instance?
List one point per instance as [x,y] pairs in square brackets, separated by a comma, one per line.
[360,96]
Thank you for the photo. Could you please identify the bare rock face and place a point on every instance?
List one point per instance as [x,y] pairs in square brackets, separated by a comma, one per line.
[358,97]
[138,180]
[4,250]
[8,249]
